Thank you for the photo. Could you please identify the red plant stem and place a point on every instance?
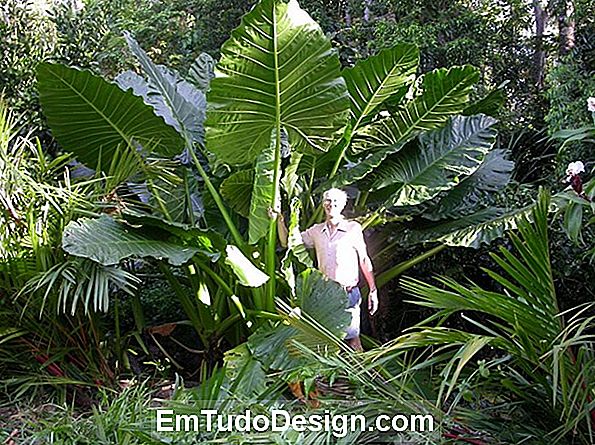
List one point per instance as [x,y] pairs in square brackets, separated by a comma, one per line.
[52,368]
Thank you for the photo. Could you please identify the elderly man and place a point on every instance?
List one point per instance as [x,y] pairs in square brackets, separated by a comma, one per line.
[341,252]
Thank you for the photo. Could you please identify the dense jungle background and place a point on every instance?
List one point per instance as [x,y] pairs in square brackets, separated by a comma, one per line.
[138,267]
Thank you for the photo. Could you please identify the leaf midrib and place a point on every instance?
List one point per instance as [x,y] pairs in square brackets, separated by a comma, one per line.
[376,93]
[462,144]
[433,107]
[84,98]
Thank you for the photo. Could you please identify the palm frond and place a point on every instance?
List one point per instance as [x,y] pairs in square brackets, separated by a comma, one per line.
[80,281]
[551,361]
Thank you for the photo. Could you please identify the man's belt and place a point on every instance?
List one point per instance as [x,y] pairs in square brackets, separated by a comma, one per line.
[349,288]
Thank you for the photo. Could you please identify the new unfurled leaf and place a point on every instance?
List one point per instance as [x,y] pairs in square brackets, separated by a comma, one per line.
[247,273]
[262,194]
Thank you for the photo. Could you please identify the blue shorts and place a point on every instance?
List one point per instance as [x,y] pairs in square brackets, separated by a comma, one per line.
[355,298]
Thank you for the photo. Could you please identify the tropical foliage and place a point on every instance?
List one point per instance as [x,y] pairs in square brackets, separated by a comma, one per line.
[274,124]
[547,356]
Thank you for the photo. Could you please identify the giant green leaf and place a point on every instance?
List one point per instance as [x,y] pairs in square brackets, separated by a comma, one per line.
[472,230]
[443,93]
[206,239]
[277,70]
[481,227]
[438,162]
[246,373]
[179,103]
[92,117]
[489,105]
[492,175]
[107,242]
[373,80]
[354,171]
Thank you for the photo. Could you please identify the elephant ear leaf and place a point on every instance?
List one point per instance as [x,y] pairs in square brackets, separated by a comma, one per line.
[278,70]
[372,81]
[438,162]
[107,242]
[236,189]
[323,303]
[105,118]
[493,175]
[179,103]
[490,104]
[473,230]
[443,93]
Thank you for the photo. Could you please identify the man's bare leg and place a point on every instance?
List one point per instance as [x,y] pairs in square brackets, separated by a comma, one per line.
[355,344]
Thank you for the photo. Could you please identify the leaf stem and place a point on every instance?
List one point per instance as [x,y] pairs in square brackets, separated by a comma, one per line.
[230,225]
[398,269]
[272,235]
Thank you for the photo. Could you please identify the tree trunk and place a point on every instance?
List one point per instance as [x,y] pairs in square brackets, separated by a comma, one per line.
[566,25]
[541,17]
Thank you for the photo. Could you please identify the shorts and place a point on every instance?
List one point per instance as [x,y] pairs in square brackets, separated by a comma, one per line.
[355,299]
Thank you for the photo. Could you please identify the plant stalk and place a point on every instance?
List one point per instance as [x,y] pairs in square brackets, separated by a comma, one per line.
[343,143]
[398,269]
[230,225]
[269,304]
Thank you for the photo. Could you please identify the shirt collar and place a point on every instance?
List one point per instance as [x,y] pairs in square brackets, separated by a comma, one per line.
[341,226]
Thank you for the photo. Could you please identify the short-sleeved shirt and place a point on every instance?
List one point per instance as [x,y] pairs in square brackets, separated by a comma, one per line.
[338,254]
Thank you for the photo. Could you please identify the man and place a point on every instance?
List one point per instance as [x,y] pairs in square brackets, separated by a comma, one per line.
[341,252]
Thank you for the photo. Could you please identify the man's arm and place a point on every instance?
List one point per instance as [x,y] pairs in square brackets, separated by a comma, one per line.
[283,232]
[365,264]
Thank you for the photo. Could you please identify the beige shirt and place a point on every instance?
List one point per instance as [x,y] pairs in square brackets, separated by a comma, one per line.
[339,253]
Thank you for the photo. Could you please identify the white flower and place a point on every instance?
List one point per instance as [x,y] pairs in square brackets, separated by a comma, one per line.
[574,168]
[384,113]
[591,104]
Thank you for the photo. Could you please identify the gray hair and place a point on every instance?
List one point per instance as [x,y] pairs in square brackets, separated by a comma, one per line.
[334,192]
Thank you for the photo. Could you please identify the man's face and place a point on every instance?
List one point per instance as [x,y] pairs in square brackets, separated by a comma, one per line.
[333,206]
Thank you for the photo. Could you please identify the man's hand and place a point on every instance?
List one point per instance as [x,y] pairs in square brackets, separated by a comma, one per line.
[373,301]
[274,214]
[281,227]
